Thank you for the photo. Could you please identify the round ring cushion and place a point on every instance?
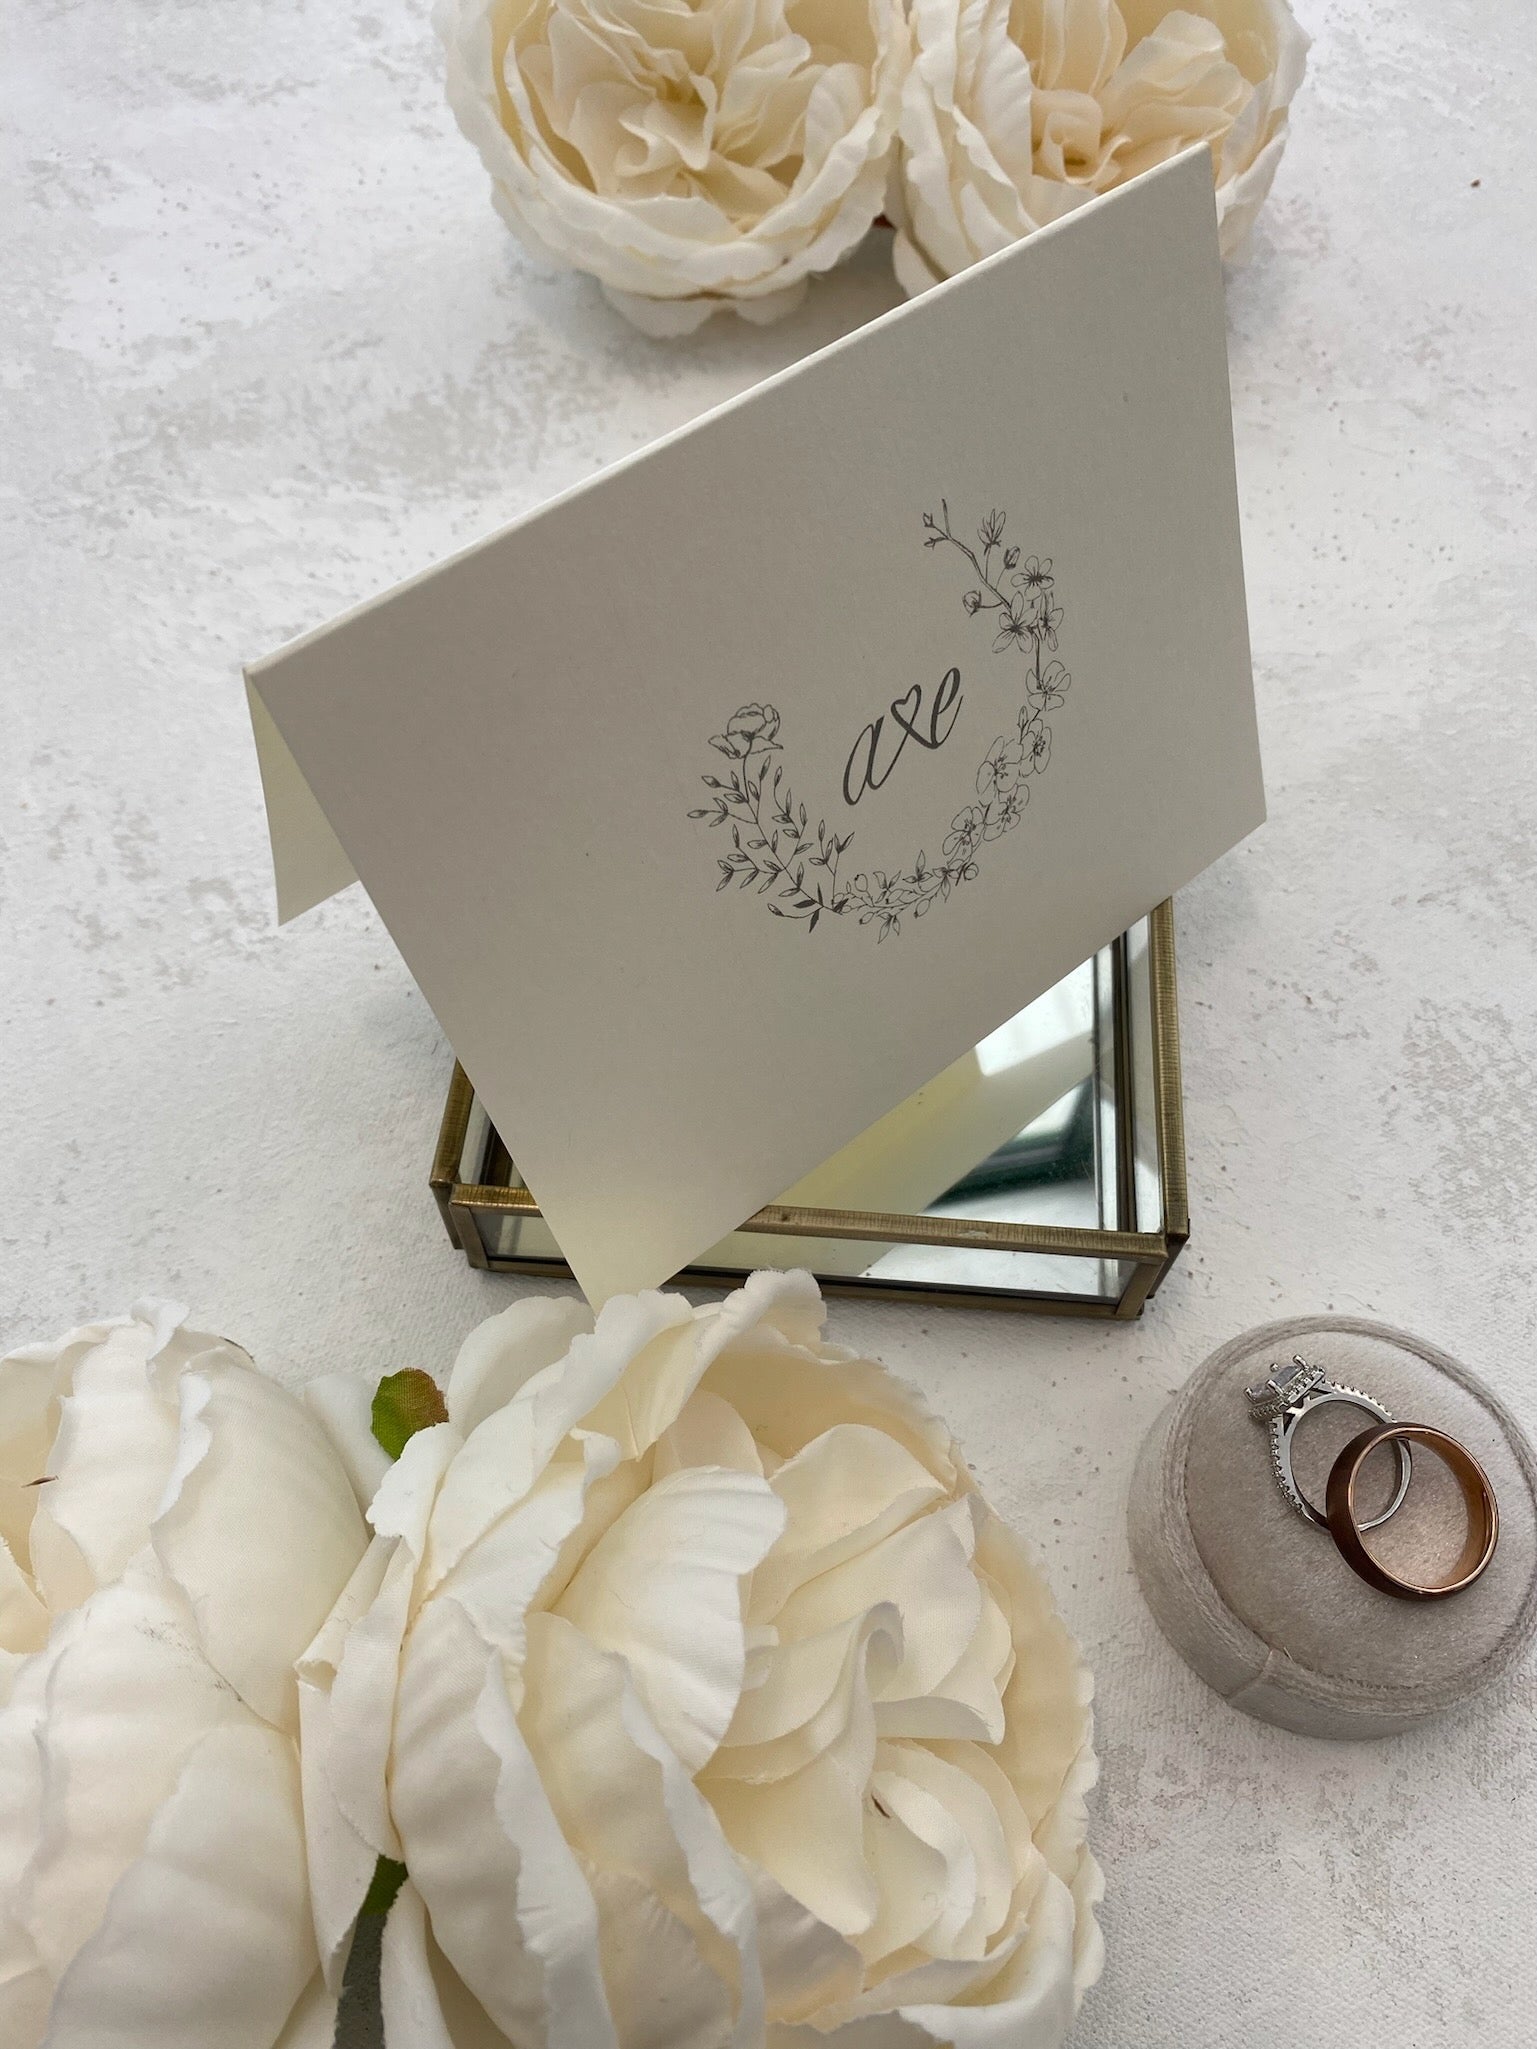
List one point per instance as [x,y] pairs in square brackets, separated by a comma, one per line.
[1262,1606]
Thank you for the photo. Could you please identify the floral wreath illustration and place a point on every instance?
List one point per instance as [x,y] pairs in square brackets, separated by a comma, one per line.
[774,848]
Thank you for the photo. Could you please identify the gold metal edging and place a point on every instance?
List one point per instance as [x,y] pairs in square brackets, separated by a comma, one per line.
[1168,1077]
[449,1156]
[1099,1308]
[782,1221]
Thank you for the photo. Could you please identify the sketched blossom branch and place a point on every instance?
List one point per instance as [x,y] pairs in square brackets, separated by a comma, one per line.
[776,852]
[773,848]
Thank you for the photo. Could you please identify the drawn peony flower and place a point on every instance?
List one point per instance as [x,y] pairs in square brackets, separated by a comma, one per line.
[755,725]
[1015,114]
[752,729]
[705,1702]
[173,1528]
[690,157]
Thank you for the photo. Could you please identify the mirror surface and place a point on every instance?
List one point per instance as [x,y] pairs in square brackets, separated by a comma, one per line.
[1049,1122]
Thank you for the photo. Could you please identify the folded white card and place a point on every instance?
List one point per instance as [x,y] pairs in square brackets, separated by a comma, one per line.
[721,803]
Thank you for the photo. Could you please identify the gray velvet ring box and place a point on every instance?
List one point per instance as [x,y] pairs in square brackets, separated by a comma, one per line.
[1261,1604]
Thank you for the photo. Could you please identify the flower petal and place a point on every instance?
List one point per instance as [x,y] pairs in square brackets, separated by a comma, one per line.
[360,1663]
[807,1829]
[341,1859]
[342,1404]
[662,1587]
[115,1449]
[806,1697]
[23,1618]
[948,1809]
[843,1492]
[708,1432]
[312,2023]
[788,1396]
[661,1992]
[266,1505]
[1011,117]
[1030,2003]
[501,1355]
[504,1456]
[511,1907]
[129,1694]
[806,1965]
[424,2004]
[924,1569]
[206,1937]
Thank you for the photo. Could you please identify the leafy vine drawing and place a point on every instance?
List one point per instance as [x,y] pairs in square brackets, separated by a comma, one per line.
[776,850]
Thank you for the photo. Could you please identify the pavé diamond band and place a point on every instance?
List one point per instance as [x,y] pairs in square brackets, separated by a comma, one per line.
[1283,1398]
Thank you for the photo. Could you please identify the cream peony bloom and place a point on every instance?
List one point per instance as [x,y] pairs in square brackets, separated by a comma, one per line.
[706,1703]
[173,1529]
[690,154]
[1014,114]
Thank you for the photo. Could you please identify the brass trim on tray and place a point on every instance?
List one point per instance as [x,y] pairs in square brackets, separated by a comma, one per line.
[1150,1254]
[1168,1075]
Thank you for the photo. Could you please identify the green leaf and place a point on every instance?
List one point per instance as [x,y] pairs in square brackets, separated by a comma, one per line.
[404,1403]
[387,1880]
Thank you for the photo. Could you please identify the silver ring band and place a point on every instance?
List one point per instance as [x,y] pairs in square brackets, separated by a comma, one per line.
[1282,1400]
[1284,1428]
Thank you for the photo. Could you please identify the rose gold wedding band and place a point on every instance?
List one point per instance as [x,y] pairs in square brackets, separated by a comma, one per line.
[1477,1494]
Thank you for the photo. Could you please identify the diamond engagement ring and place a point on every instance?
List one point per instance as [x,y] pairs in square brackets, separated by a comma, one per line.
[1283,1398]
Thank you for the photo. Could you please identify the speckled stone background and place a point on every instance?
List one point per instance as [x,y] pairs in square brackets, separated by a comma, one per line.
[267,349]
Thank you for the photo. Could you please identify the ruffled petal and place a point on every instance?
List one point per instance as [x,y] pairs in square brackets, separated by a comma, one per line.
[505,1455]
[206,1936]
[262,1532]
[129,1695]
[692,159]
[924,1571]
[358,1664]
[843,1493]
[115,1450]
[423,2002]
[342,1404]
[1013,115]
[341,1858]
[708,1432]
[501,1355]
[662,1588]
[312,2023]
[508,1900]
[807,1828]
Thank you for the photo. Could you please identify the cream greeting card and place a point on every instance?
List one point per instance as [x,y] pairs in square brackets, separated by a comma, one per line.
[723,802]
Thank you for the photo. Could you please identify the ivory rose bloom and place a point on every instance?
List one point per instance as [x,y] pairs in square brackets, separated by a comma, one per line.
[173,1529]
[690,154]
[705,1702]
[1017,111]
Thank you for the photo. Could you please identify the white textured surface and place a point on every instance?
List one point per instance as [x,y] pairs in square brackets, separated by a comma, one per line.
[268,349]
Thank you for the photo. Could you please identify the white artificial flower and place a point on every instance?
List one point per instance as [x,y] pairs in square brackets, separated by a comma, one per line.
[1017,111]
[706,1703]
[173,1529]
[690,156]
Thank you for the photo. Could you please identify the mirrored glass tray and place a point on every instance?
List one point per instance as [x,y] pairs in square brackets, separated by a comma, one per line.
[1044,1170]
